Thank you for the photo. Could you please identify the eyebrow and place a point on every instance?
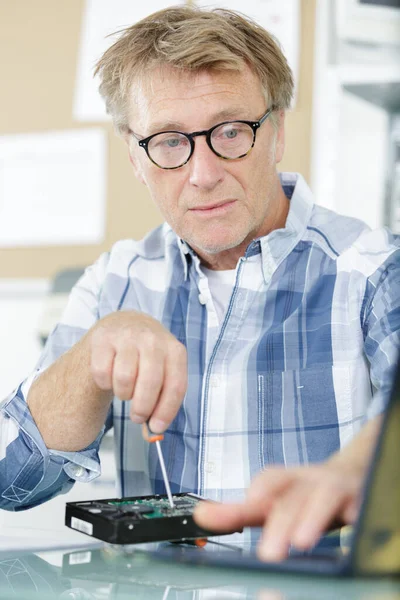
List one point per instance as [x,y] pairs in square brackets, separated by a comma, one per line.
[223,115]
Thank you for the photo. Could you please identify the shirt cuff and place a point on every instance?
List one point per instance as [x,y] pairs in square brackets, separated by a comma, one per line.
[81,466]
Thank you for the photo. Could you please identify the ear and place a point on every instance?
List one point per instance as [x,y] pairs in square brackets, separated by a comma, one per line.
[280,137]
[133,159]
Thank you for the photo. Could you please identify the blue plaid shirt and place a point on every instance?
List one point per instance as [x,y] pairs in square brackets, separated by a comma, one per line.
[303,356]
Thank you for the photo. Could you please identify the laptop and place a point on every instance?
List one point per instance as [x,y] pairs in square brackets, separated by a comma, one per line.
[374,549]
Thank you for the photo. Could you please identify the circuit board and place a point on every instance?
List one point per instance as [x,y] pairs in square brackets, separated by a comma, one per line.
[137,519]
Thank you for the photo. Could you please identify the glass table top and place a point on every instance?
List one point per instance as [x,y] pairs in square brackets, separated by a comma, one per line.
[120,573]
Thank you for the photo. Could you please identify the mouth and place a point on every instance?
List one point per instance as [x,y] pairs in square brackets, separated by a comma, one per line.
[214,209]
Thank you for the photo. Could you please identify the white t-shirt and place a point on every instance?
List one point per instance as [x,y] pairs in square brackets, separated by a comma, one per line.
[221,285]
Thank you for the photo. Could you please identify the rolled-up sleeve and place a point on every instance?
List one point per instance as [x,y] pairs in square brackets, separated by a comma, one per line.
[31,473]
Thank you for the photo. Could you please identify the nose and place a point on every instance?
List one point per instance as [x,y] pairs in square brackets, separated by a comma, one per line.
[206,168]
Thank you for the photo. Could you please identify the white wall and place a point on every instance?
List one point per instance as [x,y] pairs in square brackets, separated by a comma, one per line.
[350,137]
[363,137]
[21,306]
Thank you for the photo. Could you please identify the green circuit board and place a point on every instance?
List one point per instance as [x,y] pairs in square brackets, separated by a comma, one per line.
[156,507]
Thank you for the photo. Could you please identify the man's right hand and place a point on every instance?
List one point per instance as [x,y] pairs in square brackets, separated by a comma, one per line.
[136,358]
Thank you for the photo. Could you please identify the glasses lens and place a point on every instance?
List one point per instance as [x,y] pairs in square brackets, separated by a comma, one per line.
[232,140]
[169,149]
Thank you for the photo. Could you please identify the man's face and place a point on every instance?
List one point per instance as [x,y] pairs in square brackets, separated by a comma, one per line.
[217,206]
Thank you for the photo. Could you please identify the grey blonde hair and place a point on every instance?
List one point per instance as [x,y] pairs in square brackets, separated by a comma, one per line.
[191,39]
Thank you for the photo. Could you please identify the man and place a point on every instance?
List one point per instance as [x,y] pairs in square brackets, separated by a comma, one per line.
[252,328]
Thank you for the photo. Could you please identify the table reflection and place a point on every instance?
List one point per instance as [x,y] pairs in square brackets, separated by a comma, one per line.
[119,573]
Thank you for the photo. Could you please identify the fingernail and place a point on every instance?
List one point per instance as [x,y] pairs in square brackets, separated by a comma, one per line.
[137,419]
[158,426]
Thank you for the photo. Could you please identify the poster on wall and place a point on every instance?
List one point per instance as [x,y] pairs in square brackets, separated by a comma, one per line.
[52,188]
[102,19]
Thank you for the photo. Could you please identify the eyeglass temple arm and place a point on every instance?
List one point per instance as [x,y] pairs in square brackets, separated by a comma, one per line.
[135,135]
[269,111]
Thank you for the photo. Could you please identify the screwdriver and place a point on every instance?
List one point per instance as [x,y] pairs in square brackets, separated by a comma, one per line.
[157,438]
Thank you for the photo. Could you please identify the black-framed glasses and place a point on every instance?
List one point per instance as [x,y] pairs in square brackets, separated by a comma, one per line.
[229,140]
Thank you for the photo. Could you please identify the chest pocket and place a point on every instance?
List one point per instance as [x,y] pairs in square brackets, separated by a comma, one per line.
[297,414]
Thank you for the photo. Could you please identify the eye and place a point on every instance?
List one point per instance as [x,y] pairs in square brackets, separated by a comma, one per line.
[172,142]
[227,132]
[231,133]
[168,141]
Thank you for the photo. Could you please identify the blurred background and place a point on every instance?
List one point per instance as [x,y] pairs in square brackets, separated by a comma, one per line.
[67,191]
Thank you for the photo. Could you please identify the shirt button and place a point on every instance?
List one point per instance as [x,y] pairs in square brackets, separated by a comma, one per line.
[78,471]
[215,381]
[210,466]
[202,299]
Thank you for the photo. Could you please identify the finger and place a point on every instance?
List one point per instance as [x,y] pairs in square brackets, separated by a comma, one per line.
[281,522]
[173,389]
[325,504]
[149,436]
[125,371]
[149,382]
[253,512]
[351,510]
[219,517]
[102,364]
[268,485]
[225,517]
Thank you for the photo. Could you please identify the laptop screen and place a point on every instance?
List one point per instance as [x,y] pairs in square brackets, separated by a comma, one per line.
[377,536]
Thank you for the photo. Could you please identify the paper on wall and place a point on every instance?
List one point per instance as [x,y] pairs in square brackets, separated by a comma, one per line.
[102,18]
[53,188]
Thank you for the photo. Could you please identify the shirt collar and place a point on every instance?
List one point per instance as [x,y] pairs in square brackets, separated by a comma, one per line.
[278,244]
[187,254]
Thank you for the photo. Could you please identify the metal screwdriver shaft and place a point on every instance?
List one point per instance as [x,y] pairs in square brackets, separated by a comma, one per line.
[155,438]
[164,472]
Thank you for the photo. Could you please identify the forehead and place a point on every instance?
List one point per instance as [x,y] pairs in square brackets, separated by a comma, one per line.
[173,96]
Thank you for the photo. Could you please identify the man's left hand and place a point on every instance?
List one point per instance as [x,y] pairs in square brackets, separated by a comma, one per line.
[295,506]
